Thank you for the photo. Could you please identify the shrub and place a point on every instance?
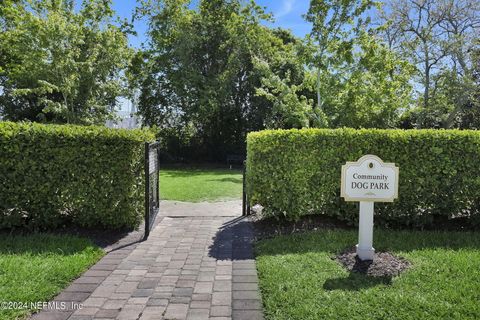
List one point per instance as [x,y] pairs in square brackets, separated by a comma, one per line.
[297,172]
[55,174]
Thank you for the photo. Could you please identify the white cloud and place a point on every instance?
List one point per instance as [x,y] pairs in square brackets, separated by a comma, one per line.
[287,7]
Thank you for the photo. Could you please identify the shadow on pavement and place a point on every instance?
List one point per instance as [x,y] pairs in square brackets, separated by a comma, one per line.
[233,241]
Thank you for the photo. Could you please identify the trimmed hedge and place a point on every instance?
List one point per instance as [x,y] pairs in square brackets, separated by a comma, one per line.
[297,172]
[52,175]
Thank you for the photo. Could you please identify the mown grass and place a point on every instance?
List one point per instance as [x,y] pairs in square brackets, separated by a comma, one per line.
[195,185]
[34,268]
[299,279]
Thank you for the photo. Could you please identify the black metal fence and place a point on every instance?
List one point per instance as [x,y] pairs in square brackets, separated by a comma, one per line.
[245,204]
[152,193]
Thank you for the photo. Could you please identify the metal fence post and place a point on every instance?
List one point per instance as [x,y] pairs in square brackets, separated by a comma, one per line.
[158,179]
[147,190]
[244,192]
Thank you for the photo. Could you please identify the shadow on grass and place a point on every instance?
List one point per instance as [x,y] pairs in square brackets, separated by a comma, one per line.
[233,180]
[355,282]
[334,241]
[42,243]
[69,240]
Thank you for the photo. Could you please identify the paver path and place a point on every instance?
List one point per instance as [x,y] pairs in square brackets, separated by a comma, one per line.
[197,264]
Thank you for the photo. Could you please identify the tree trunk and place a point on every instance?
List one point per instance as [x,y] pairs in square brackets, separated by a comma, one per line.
[426,92]
[319,102]
[447,124]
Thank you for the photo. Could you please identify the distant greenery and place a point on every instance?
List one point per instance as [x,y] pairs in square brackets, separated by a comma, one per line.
[216,72]
[213,70]
[440,38]
[61,61]
[194,185]
[360,81]
[37,267]
[223,73]
[299,279]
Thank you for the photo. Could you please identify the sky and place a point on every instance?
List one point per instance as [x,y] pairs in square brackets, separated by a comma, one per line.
[287,13]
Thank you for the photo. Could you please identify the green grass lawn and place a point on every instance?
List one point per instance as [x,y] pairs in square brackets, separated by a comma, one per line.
[299,280]
[37,267]
[195,185]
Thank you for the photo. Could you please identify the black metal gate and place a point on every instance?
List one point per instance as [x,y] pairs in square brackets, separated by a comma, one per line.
[245,202]
[152,194]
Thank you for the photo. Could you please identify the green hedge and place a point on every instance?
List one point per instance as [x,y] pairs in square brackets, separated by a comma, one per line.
[57,174]
[297,172]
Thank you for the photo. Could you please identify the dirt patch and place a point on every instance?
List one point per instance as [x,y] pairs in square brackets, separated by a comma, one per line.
[384,264]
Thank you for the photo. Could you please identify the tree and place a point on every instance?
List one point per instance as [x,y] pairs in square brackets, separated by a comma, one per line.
[370,92]
[468,117]
[58,64]
[360,81]
[206,67]
[286,84]
[290,109]
[436,36]
[335,24]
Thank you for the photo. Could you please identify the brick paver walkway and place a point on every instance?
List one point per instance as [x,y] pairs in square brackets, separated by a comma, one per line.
[196,264]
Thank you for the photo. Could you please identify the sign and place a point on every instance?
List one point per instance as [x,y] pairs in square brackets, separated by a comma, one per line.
[368,180]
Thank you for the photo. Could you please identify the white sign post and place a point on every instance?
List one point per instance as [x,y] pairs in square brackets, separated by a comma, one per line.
[368,180]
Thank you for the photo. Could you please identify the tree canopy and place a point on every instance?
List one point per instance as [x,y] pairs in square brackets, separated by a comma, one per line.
[440,38]
[219,72]
[213,70]
[60,64]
